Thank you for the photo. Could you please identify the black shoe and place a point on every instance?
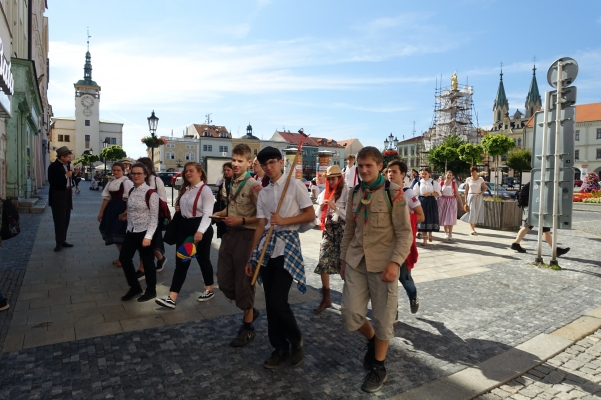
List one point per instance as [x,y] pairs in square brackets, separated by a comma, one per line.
[517,247]
[58,248]
[131,293]
[562,251]
[276,358]
[244,337]
[374,379]
[148,295]
[65,244]
[161,264]
[140,275]
[4,305]
[414,304]
[298,353]
[370,355]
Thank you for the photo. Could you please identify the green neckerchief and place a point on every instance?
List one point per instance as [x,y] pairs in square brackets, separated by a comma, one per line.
[234,196]
[367,191]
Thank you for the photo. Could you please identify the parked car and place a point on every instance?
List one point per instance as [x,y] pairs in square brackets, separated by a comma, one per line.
[166,177]
[502,193]
[174,177]
[577,182]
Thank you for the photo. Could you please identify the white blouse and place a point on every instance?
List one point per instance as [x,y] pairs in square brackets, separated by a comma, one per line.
[428,186]
[475,185]
[113,186]
[447,190]
[157,184]
[204,207]
[141,217]
[340,213]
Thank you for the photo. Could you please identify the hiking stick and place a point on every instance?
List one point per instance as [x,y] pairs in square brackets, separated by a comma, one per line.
[277,211]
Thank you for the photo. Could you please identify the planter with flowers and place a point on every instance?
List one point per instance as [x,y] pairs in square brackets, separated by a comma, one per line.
[390,155]
[153,141]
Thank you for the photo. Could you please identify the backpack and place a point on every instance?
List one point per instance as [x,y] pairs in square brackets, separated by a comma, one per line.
[10,220]
[524,195]
[386,189]
[164,213]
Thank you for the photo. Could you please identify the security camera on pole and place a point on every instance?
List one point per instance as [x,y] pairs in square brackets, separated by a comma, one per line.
[555,192]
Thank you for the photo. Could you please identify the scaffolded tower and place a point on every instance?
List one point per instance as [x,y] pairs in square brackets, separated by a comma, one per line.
[452,114]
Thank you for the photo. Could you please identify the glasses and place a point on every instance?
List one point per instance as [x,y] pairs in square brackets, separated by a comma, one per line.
[137,173]
[268,164]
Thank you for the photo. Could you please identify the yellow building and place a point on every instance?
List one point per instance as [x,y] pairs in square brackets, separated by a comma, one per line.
[249,139]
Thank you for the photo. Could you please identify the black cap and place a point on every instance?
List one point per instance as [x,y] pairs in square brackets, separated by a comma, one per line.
[268,153]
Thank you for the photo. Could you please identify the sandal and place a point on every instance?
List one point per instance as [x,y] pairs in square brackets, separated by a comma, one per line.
[430,238]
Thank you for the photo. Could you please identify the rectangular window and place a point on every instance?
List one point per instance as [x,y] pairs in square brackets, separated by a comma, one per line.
[114,140]
[210,147]
[598,153]
[577,155]
[598,133]
[67,138]
[189,157]
[225,149]
[61,138]
[221,149]
[170,145]
[204,147]
[577,135]
[87,122]
[87,140]
[255,152]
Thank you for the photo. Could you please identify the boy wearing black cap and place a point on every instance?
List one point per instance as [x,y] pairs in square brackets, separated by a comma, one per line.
[283,260]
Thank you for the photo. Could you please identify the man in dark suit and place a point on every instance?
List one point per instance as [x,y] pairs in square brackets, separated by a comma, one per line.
[60,197]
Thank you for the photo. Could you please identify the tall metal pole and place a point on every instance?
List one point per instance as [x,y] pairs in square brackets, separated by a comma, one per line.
[543,168]
[556,194]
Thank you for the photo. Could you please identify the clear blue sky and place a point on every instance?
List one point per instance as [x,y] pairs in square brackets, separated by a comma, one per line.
[338,69]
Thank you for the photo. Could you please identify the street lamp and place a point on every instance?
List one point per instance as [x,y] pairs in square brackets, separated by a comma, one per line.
[178,162]
[391,142]
[153,121]
[105,144]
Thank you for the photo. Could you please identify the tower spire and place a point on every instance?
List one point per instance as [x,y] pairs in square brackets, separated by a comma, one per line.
[533,99]
[501,99]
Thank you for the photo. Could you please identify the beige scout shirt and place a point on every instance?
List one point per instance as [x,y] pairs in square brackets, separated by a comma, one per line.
[246,202]
[386,237]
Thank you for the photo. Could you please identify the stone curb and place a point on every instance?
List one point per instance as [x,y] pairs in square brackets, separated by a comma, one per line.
[473,381]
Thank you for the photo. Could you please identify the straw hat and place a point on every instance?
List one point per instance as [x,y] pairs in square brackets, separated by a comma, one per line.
[333,171]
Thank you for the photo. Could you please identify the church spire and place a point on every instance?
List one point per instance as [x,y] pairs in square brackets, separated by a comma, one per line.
[87,68]
[533,99]
[501,99]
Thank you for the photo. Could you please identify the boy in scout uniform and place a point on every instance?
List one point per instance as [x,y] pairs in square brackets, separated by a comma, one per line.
[377,240]
[236,243]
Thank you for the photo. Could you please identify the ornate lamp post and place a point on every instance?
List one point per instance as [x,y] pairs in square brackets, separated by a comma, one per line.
[391,142]
[178,162]
[153,121]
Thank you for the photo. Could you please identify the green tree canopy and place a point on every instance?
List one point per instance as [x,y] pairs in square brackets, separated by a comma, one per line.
[113,153]
[471,153]
[86,159]
[497,145]
[520,160]
[445,156]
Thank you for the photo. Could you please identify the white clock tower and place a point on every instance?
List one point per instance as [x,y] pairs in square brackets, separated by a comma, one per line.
[87,119]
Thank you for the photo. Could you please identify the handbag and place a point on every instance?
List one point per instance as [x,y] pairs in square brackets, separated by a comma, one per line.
[466,208]
[170,235]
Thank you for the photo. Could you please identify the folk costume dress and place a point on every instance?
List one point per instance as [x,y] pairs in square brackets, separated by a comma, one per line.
[447,205]
[429,205]
[111,228]
[332,223]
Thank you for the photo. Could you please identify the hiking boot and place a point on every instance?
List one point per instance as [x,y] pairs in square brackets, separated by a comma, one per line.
[370,355]
[276,358]
[326,300]
[131,293]
[561,251]
[518,248]
[298,353]
[414,304]
[244,337]
[374,379]
[148,295]
[165,302]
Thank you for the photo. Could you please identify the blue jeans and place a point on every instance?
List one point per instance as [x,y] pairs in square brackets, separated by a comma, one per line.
[407,282]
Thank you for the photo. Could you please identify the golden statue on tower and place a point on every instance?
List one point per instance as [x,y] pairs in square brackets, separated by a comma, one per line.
[454,81]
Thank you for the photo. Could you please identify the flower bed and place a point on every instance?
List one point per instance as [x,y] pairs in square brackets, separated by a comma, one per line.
[582,196]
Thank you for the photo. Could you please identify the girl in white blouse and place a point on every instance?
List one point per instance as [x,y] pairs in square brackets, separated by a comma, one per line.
[475,187]
[331,214]
[428,190]
[142,220]
[195,203]
[114,196]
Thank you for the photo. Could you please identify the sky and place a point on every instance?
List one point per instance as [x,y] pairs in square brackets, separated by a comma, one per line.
[337,69]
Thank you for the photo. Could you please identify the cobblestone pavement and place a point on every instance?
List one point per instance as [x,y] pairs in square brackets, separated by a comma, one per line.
[463,321]
[573,374]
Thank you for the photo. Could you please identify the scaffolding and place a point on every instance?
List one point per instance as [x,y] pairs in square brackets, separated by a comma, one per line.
[453,109]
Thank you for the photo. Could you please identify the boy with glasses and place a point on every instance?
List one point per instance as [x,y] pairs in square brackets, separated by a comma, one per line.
[283,260]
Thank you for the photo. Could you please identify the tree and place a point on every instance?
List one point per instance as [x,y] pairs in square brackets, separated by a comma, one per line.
[445,156]
[471,153]
[87,159]
[520,160]
[113,153]
[495,146]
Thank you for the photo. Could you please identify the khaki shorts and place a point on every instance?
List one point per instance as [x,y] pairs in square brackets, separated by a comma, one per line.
[361,286]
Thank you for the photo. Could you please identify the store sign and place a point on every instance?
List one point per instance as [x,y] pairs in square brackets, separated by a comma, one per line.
[7,84]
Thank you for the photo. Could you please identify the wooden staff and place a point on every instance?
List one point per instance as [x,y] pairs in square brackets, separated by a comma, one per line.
[277,211]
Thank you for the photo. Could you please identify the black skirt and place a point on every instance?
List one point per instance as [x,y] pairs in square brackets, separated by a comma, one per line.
[111,228]
[430,207]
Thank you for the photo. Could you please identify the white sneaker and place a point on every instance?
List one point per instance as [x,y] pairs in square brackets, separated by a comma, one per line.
[450,236]
[206,296]
[165,302]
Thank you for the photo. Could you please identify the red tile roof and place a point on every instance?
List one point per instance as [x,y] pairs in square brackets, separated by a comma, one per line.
[215,131]
[345,143]
[584,113]
[294,138]
[329,142]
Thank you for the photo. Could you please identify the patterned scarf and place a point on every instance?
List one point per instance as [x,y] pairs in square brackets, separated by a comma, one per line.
[329,195]
[234,196]
[366,200]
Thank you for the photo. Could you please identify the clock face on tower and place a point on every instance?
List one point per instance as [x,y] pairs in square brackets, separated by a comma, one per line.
[87,112]
[87,101]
